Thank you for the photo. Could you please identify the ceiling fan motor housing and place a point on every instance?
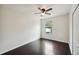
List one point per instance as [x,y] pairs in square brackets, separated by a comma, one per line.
[43,10]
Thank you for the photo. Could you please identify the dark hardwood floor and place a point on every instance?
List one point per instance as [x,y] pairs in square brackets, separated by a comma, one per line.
[41,47]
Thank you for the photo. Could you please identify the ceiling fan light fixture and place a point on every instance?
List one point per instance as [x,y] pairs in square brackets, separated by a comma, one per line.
[42,14]
[44,10]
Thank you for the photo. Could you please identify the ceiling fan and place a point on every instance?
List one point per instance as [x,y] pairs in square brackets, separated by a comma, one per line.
[44,11]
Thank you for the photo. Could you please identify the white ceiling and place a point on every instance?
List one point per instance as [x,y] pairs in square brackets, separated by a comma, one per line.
[58,9]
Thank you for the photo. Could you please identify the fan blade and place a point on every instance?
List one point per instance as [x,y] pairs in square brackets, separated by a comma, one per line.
[38,13]
[48,13]
[49,9]
[40,9]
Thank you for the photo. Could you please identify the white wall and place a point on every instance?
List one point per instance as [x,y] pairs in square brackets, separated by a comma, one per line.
[43,33]
[60,28]
[71,28]
[19,26]
[76,31]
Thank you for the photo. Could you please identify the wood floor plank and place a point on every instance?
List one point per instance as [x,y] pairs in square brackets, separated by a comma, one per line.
[42,47]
